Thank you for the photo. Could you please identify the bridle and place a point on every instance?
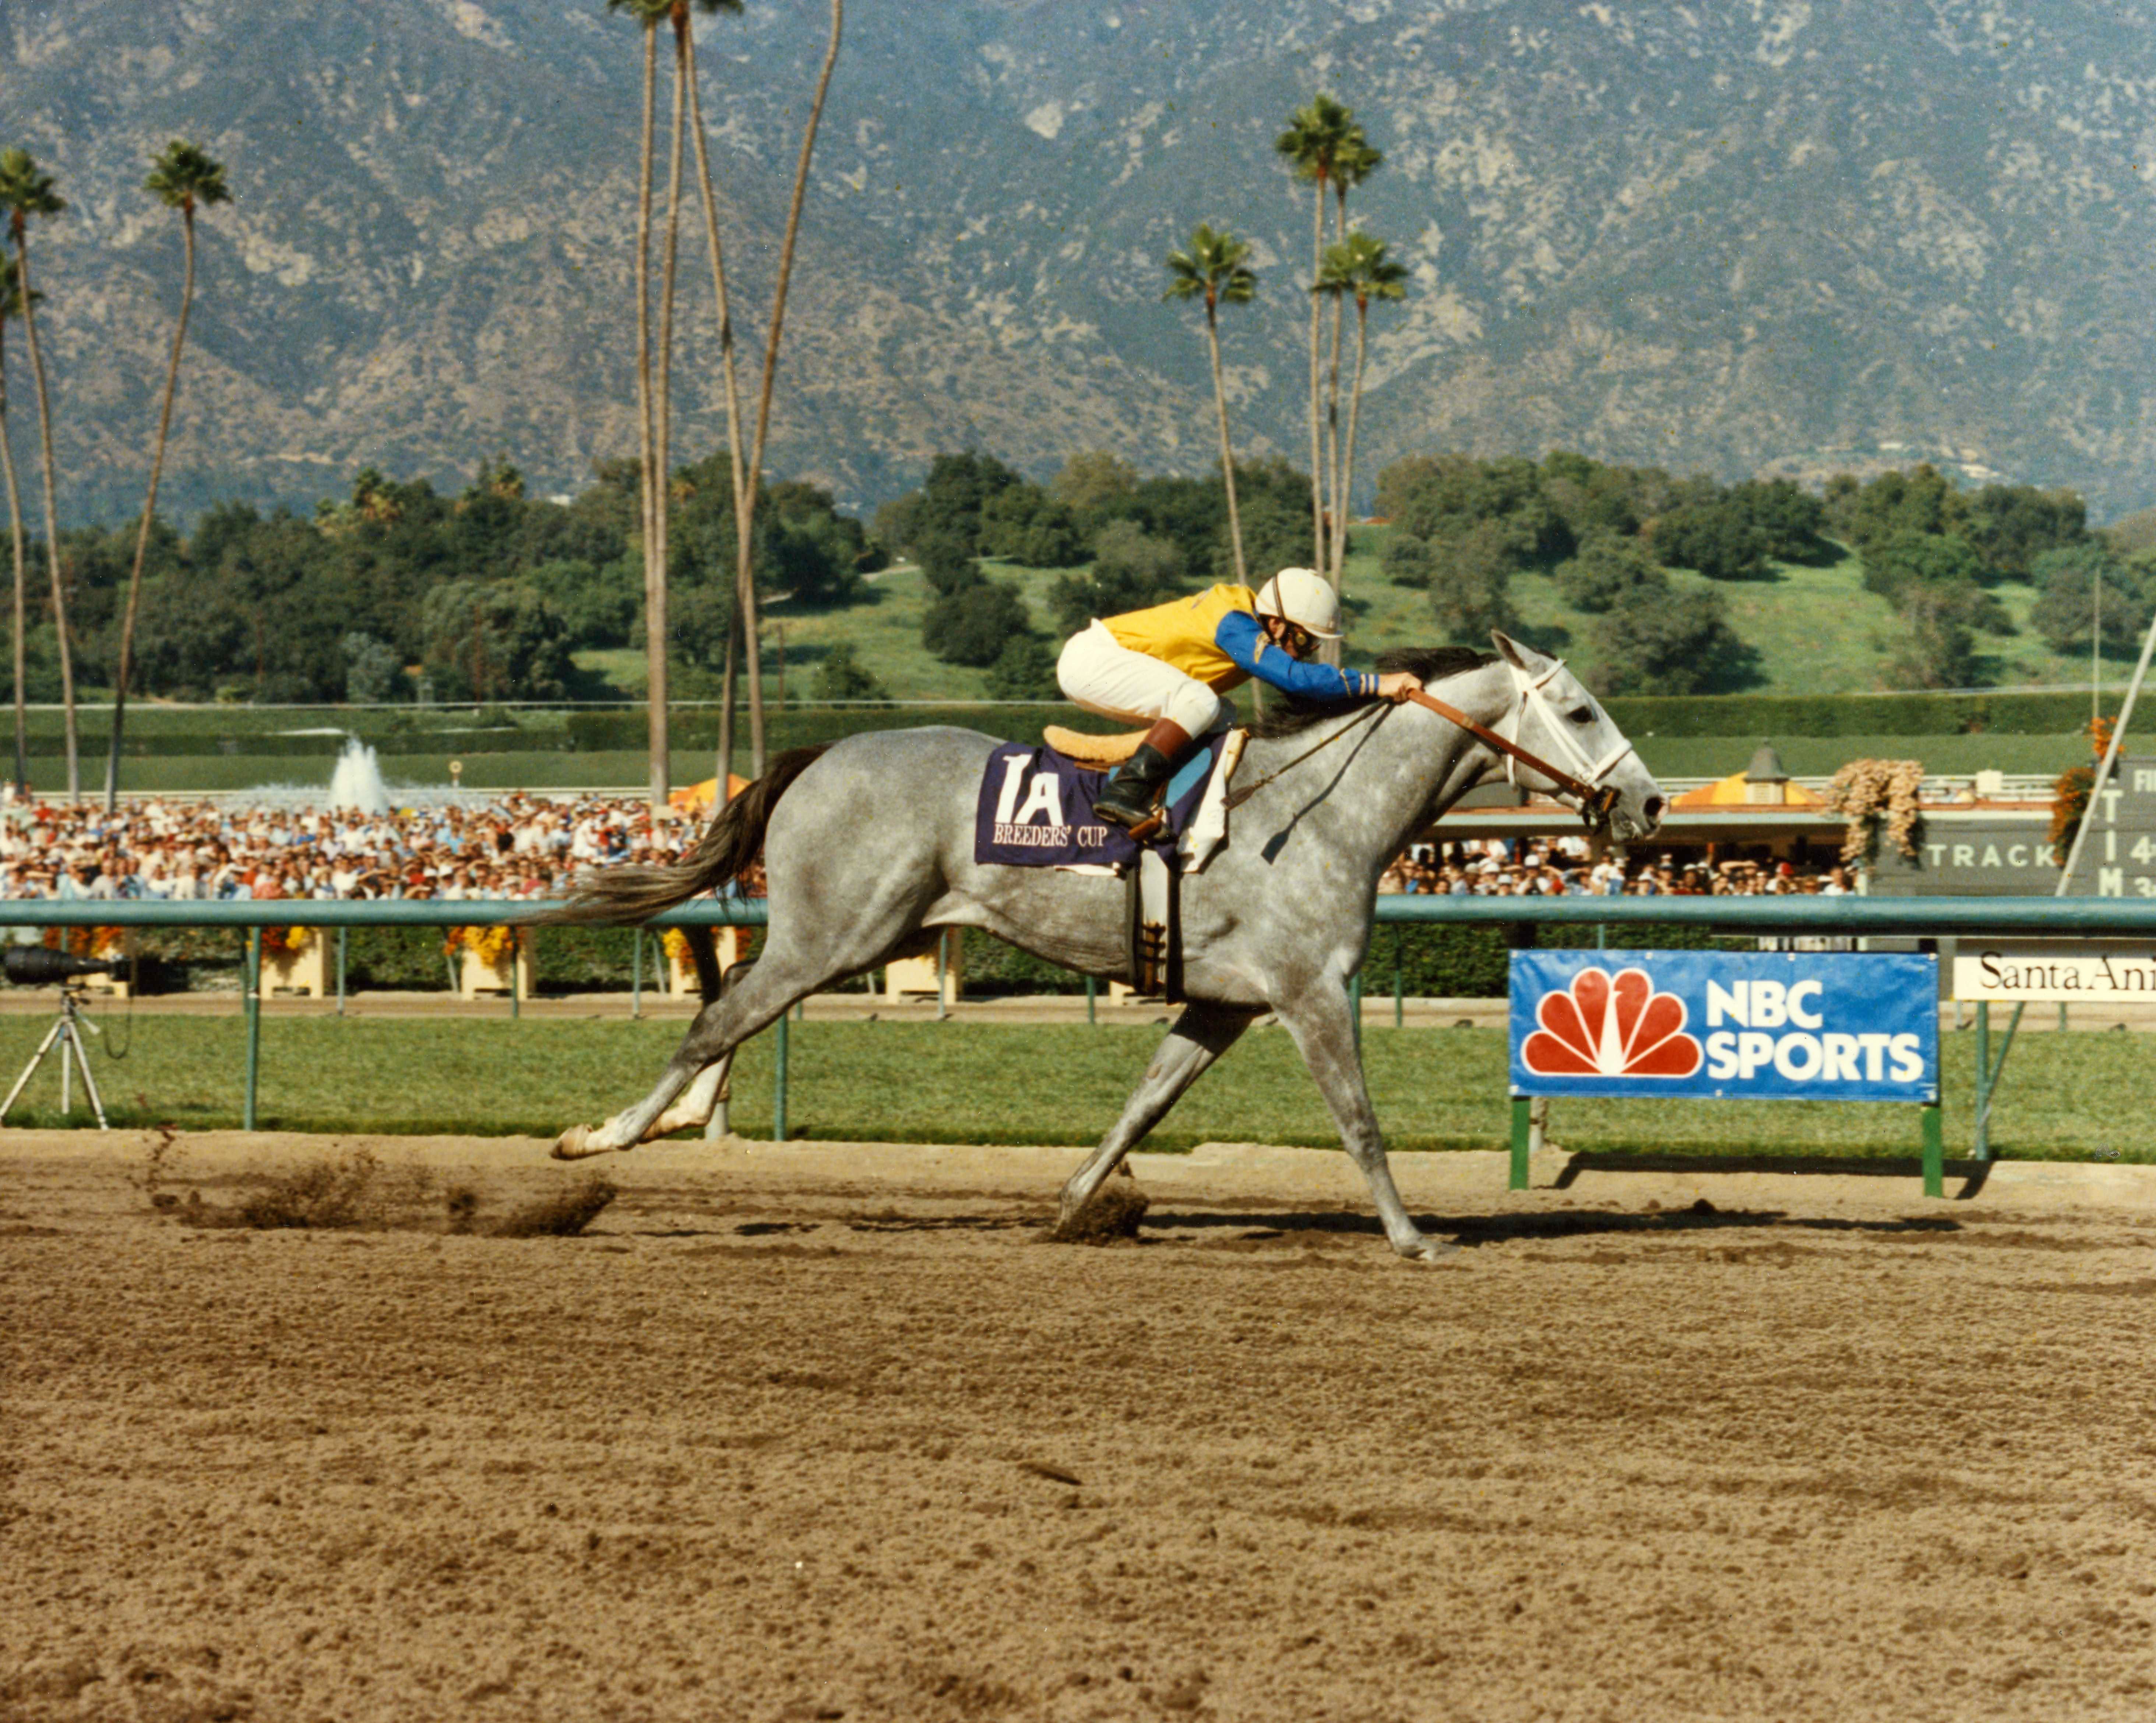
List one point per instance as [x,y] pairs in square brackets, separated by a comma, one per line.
[1587,785]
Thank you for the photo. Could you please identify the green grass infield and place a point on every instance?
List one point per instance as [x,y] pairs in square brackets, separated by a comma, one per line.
[2065,1096]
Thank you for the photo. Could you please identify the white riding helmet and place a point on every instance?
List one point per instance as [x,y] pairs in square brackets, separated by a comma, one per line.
[1304,597]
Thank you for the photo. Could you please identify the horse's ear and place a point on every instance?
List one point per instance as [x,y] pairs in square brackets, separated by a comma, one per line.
[1519,656]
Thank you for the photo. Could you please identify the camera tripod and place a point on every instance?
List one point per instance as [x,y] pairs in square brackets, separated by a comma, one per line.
[67,1035]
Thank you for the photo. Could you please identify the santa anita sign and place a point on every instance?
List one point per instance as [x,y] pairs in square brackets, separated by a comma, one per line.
[1726,1025]
[2066,972]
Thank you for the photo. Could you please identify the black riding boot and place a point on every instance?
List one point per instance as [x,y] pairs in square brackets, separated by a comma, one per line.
[1129,800]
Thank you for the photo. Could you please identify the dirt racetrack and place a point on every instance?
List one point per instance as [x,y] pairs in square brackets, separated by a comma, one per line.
[824,1431]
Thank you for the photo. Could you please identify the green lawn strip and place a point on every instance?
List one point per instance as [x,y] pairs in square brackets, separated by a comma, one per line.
[2063,1099]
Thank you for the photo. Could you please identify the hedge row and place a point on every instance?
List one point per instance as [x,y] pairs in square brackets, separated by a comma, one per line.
[171,735]
[803,725]
[1430,962]
[1775,716]
[191,743]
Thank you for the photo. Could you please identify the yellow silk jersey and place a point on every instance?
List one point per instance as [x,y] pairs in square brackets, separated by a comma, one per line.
[1184,632]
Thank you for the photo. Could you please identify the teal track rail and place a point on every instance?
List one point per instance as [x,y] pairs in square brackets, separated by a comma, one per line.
[1922,918]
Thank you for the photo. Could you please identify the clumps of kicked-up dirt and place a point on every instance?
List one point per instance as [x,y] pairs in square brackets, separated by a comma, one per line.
[355,1191]
[1112,1217]
[563,1215]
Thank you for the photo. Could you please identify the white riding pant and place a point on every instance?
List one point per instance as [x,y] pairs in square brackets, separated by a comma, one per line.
[1107,678]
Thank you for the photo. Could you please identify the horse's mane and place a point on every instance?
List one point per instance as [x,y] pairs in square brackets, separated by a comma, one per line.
[1288,716]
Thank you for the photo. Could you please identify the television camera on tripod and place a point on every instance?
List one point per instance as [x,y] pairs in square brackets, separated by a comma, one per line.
[38,966]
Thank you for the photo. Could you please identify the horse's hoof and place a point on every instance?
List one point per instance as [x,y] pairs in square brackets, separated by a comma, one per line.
[1430,1250]
[572,1143]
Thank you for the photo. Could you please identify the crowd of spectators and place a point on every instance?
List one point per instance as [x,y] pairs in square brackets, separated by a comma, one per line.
[514,847]
[1565,868]
[518,846]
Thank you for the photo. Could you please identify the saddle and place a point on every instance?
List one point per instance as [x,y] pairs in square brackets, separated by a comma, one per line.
[1096,754]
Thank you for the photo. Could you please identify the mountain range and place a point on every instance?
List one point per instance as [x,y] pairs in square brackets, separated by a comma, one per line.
[1786,236]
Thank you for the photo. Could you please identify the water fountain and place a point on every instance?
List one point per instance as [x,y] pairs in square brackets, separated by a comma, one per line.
[356,783]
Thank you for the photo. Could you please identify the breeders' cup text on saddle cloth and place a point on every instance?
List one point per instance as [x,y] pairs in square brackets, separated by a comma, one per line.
[1764,1026]
[1034,809]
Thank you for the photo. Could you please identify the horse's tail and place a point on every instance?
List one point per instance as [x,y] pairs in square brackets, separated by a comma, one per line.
[619,896]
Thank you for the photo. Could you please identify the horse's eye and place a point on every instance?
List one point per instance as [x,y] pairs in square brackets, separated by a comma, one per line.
[1581,715]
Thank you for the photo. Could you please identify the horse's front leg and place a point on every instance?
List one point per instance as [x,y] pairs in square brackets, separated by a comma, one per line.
[1200,1036]
[1325,1034]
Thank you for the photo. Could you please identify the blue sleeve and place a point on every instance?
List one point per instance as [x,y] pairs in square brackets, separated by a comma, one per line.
[1237,637]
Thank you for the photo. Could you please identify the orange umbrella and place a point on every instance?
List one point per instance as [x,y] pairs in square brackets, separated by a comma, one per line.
[697,798]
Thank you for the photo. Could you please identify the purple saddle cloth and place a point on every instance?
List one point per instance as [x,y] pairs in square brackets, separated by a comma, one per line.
[1036,809]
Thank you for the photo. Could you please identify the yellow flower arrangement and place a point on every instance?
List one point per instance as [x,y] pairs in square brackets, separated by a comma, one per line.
[492,946]
[677,945]
[283,941]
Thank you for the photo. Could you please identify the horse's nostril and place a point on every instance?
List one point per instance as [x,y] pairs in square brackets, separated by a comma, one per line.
[1652,807]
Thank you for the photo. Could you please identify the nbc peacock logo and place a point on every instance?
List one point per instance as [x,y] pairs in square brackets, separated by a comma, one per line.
[1611,1026]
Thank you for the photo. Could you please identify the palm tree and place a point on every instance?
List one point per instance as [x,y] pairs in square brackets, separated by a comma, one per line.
[1316,134]
[24,192]
[10,306]
[651,476]
[1212,267]
[752,481]
[685,47]
[183,179]
[1359,268]
[1353,162]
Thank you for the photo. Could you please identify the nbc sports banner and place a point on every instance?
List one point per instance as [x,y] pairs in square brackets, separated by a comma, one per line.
[1787,1026]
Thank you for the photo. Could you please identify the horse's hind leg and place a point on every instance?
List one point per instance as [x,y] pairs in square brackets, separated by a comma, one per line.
[699,1104]
[1200,1036]
[751,1002]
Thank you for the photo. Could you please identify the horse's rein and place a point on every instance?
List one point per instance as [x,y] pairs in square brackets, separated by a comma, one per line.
[1237,798]
[1596,800]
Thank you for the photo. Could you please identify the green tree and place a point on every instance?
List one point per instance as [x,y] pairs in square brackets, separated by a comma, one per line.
[1024,670]
[1941,568]
[1789,519]
[2011,526]
[1715,538]
[1092,484]
[1436,496]
[1937,651]
[1590,497]
[1608,572]
[947,564]
[1357,268]
[1212,267]
[1317,134]
[494,640]
[843,676]
[1406,560]
[1919,500]
[373,674]
[2075,582]
[1469,583]
[973,625]
[1023,522]
[11,306]
[1667,642]
[1131,570]
[184,178]
[25,192]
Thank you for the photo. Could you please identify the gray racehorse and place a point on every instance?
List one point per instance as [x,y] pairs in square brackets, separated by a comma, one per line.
[868,842]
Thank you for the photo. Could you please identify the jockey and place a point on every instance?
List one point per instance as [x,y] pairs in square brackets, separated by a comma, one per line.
[1166,666]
